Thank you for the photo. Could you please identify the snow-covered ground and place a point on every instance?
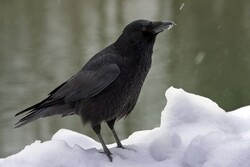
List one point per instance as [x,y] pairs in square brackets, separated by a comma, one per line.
[194,132]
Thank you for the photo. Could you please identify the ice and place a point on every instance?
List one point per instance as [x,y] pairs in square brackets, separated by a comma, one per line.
[194,132]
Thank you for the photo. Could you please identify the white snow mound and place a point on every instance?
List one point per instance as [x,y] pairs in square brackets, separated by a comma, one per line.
[194,132]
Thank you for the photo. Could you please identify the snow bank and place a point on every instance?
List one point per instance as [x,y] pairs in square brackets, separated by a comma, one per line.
[194,132]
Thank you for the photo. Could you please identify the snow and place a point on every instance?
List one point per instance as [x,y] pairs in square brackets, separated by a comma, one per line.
[182,5]
[194,132]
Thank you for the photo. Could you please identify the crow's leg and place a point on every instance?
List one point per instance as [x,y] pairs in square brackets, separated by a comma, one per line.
[111,124]
[97,130]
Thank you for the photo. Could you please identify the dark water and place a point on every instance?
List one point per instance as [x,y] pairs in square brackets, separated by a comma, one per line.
[43,43]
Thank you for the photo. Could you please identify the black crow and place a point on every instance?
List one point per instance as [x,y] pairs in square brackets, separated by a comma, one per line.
[108,86]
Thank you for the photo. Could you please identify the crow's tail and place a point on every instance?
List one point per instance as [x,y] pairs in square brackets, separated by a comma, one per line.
[45,108]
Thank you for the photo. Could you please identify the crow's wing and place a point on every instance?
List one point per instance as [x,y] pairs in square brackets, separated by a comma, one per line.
[86,83]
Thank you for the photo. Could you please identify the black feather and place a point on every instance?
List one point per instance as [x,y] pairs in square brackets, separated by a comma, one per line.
[108,86]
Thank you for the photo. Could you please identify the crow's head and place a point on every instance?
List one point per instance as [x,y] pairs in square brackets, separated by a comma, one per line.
[147,27]
[141,31]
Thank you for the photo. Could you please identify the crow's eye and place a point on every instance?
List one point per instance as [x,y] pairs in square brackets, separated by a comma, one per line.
[144,28]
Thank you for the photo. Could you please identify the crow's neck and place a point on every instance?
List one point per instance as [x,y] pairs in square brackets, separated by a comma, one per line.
[140,54]
[134,48]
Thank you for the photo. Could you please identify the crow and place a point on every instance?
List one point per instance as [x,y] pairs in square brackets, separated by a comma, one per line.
[107,87]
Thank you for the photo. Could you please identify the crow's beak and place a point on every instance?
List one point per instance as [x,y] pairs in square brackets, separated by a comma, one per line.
[159,26]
